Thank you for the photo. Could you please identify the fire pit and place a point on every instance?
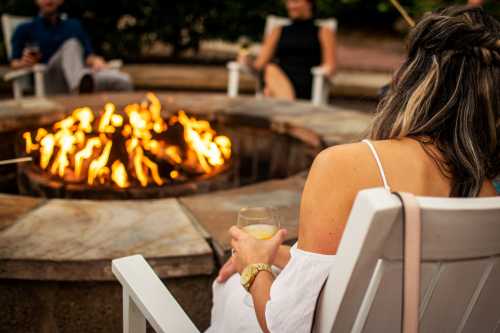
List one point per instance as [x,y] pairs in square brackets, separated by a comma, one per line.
[129,153]
[56,253]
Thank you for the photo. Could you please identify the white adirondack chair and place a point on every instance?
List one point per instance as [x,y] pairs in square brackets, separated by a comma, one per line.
[20,77]
[460,272]
[321,82]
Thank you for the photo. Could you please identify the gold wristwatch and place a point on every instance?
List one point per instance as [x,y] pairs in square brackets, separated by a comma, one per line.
[250,272]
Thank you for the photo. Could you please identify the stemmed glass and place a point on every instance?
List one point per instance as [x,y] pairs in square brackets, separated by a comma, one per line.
[260,222]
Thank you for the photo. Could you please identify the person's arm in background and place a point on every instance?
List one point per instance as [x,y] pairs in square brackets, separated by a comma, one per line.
[268,48]
[92,60]
[266,52]
[20,57]
[328,41]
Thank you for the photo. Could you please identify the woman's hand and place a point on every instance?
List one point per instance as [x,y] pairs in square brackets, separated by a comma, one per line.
[227,270]
[329,70]
[249,250]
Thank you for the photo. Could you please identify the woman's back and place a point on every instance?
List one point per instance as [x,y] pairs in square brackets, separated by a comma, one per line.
[409,168]
[340,172]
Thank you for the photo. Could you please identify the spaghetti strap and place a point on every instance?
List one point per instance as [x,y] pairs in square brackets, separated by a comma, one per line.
[379,163]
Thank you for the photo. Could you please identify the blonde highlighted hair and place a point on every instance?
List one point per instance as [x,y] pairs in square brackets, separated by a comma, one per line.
[447,94]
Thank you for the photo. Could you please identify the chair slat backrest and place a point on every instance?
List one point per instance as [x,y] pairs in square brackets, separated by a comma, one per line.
[460,277]
[9,25]
[273,21]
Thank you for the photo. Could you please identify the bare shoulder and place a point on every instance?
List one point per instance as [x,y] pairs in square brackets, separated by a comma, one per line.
[325,30]
[337,175]
[343,159]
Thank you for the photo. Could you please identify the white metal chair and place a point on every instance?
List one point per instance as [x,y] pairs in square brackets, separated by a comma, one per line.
[20,77]
[321,82]
[460,272]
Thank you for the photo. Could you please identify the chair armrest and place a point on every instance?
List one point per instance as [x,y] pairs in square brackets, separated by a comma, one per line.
[319,71]
[17,73]
[39,68]
[115,64]
[151,296]
[234,66]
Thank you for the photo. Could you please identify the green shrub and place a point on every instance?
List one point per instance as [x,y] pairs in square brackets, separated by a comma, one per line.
[120,28]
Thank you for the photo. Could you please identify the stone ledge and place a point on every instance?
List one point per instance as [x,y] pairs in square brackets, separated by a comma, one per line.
[75,240]
[217,212]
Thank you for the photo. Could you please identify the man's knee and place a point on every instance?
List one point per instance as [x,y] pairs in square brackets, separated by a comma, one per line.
[72,44]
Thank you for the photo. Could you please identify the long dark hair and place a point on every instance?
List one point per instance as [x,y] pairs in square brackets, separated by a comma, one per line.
[447,95]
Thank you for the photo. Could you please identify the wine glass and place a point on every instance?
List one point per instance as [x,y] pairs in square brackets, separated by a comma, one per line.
[33,49]
[260,222]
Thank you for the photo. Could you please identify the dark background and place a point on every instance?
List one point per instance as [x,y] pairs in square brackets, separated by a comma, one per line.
[122,28]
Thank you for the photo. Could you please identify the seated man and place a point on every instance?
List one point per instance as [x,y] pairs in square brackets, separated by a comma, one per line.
[65,48]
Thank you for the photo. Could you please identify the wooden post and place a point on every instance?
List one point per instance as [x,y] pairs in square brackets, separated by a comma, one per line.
[133,319]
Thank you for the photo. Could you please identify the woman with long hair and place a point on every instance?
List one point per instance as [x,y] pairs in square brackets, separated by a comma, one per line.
[288,53]
[436,133]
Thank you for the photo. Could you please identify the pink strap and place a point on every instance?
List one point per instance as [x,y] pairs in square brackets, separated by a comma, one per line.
[412,225]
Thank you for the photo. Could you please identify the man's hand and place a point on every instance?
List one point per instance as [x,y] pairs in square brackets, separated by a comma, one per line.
[95,62]
[28,59]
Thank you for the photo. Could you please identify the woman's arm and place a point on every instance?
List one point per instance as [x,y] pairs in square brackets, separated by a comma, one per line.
[282,257]
[335,178]
[337,175]
[268,48]
[260,291]
[229,268]
[328,41]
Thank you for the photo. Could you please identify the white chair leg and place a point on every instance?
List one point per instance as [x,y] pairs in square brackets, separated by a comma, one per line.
[326,92]
[318,90]
[318,86]
[133,319]
[18,90]
[233,79]
[39,82]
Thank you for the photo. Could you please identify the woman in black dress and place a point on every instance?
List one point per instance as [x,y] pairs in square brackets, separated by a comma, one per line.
[288,53]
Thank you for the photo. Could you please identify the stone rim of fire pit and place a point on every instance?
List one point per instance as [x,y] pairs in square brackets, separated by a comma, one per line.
[78,250]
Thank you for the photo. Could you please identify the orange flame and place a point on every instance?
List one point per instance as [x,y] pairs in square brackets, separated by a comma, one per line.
[82,146]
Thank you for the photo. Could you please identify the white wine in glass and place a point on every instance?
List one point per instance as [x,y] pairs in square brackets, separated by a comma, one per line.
[260,222]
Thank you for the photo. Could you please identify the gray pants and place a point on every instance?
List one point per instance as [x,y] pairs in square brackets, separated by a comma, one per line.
[66,68]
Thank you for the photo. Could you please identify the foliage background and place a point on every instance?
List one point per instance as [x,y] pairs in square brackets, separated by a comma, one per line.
[120,28]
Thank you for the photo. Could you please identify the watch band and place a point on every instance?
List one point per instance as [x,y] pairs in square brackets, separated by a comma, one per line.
[250,273]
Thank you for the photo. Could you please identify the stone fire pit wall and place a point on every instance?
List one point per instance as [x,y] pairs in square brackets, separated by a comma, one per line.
[55,271]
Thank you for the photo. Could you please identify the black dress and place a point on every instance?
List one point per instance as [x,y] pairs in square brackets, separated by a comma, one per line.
[297,52]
